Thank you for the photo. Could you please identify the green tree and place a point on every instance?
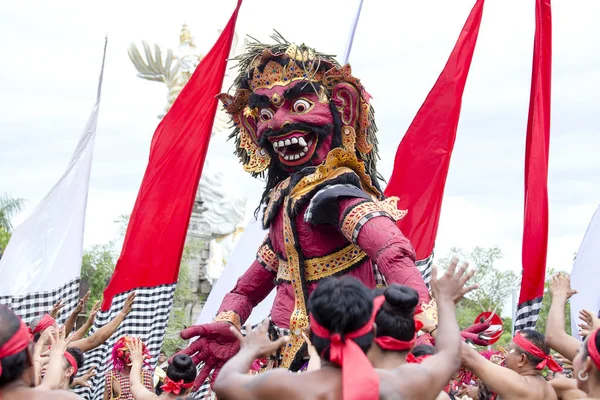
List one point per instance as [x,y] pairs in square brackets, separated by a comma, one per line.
[8,208]
[97,267]
[495,285]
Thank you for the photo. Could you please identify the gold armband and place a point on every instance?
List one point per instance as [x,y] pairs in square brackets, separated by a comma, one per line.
[229,317]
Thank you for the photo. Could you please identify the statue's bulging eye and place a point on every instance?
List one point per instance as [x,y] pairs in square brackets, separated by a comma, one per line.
[301,106]
[266,114]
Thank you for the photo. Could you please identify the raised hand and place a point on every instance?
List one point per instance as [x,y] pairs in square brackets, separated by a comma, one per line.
[215,345]
[83,380]
[92,317]
[128,306]
[136,351]
[451,286]
[58,342]
[55,312]
[560,286]
[257,340]
[589,322]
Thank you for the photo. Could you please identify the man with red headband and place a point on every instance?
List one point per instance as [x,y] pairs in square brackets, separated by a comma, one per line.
[522,377]
[17,372]
[342,314]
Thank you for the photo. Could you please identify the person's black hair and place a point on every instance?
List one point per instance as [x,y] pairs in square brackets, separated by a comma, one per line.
[79,359]
[13,366]
[396,315]
[182,368]
[423,350]
[539,341]
[341,305]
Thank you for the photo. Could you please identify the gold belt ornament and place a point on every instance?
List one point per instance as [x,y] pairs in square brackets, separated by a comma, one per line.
[299,317]
[322,267]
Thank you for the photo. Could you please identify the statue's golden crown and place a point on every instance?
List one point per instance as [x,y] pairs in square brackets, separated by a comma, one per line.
[303,65]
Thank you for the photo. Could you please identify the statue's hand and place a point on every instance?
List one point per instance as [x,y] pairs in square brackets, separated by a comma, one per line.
[476,333]
[214,346]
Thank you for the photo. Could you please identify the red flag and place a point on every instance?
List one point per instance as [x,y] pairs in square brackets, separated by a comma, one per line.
[535,228]
[423,157]
[157,229]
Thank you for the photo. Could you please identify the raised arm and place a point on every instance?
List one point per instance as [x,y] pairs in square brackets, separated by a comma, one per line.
[233,380]
[138,390]
[506,382]
[81,332]
[54,372]
[556,336]
[435,372]
[216,344]
[70,322]
[104,333]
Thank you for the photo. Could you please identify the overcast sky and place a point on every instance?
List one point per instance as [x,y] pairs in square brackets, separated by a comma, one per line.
[51,53]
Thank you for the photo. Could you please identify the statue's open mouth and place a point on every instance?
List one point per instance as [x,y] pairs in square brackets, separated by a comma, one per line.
[295,148]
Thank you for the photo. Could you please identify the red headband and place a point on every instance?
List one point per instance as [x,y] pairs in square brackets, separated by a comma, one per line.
[17,343]
[359,379]
[411,359]
[46,322]
[71,361]
[593,349]
[393,344]
[532,349]
[175,387]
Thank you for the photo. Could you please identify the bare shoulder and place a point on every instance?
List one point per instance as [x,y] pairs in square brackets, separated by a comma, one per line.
[540,388]
[402,382]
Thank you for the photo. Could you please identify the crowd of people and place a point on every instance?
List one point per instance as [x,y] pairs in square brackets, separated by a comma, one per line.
[363,344]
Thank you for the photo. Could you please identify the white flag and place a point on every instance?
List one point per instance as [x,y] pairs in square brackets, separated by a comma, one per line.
[42,261]
[586,274]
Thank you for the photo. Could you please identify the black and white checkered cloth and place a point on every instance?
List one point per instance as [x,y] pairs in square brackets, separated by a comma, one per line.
[424,267]
[527,314]
[35,304]
[147,320]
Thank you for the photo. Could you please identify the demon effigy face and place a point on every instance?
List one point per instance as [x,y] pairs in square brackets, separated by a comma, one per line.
[295,123]
[292,106]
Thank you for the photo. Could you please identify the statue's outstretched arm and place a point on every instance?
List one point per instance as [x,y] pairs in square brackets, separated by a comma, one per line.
[371,226]
[251,288]
[215,344]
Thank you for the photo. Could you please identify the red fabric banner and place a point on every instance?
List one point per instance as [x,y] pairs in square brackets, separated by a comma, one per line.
[535,228]
[423,157]
[157,229]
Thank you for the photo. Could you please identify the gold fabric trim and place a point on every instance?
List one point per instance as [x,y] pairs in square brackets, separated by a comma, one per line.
[299,317]
[430,310]
[322,267]
[388,206]
[339,161]
[268,257]
[230,317]
[274,198]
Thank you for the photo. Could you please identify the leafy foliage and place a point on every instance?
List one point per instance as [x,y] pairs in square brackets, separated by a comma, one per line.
[8,208]
[495,285]
[97,266]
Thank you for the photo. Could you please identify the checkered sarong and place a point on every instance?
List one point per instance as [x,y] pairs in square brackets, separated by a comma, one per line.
[148,320]
[35,304]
